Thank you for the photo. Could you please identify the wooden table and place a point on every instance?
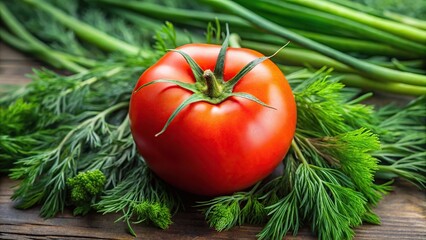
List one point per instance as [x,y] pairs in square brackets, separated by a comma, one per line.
[403,212]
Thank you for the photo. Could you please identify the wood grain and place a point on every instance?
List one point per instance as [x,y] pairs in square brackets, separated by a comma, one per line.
[403,212]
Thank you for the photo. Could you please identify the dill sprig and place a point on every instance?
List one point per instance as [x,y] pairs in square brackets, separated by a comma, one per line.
[351,153]
[58,163]
[15,117]
[223,213]
[403,148]
[91,133]
[140,196]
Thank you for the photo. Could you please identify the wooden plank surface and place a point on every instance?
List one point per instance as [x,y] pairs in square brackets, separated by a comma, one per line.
[403,212]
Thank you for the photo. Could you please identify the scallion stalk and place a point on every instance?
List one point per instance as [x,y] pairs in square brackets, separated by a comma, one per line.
[305,14]
[304,57]
[355,80]
[87,32]
[344,44]
[414,22]
[189,17]
[32,44]
[370,20]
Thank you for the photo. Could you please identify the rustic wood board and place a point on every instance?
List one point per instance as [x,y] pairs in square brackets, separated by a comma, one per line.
[403,211]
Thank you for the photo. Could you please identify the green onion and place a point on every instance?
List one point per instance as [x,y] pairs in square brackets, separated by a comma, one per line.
[312,16]
[384,14]
[344,44]
[364,68]
[34,45]
[376,22]
[87,32]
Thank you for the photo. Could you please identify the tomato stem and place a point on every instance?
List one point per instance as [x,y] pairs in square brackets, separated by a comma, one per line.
[214,87]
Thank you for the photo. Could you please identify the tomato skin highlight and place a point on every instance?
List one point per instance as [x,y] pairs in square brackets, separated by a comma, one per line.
[213,149]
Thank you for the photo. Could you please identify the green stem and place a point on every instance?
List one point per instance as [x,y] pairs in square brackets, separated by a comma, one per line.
[90,63]
[390,171]
[22,46]
[364,68]
[357,81]
[388,168]
[214,88]
[376,22]
[87,32]
[15,42]
[32,44]
[298,152]
[354,80]
[405,20]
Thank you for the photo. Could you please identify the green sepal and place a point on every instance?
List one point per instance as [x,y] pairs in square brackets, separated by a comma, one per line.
[196,69]
[251,98]
[220,62]
[247,68]
[187,86]
[196,97]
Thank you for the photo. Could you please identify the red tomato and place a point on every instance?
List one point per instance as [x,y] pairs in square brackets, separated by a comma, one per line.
[213,149]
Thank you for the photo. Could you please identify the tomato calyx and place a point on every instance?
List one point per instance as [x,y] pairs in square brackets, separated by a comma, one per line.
[209,85]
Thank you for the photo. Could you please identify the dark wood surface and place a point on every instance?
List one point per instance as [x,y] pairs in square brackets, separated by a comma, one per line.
[403,211]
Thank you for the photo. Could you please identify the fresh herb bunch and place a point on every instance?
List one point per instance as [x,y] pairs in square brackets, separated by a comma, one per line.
[80,126]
